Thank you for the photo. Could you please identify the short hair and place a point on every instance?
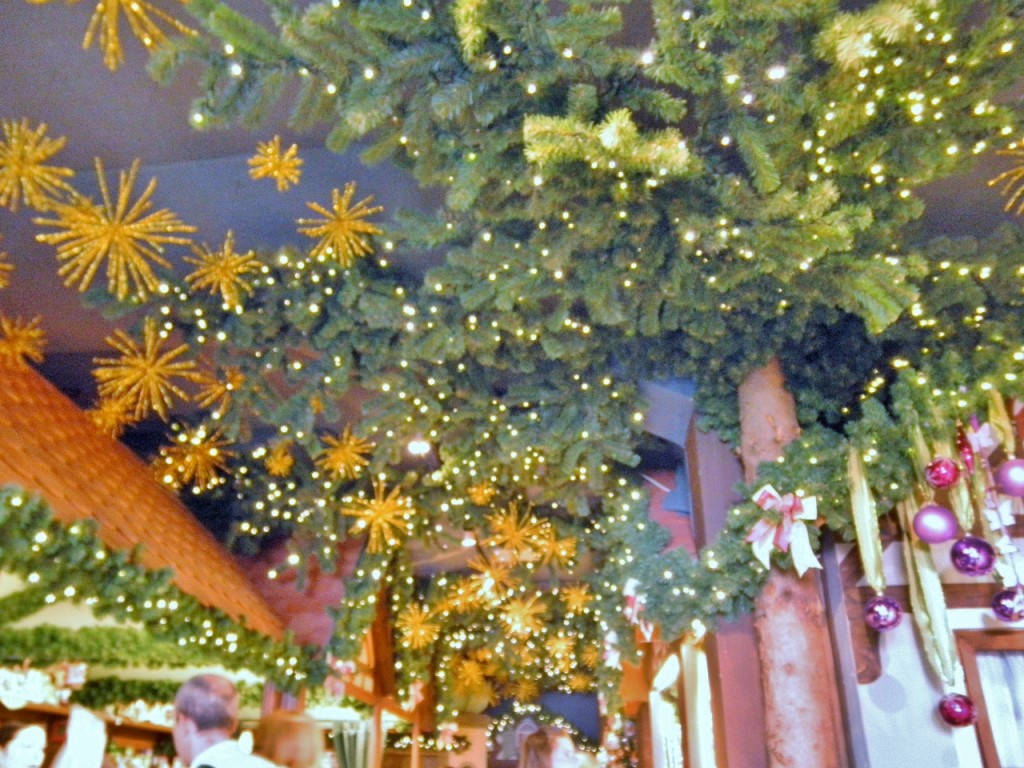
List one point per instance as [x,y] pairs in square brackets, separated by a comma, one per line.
[11,728]
[209,701]
[290,739]
[536,749]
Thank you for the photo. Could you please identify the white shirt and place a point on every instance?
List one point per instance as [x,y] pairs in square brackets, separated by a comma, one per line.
[227,754]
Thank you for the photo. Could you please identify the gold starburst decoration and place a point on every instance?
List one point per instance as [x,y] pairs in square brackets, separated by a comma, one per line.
[1012,181]
[144,21]
[524,616]
[144,376]
[525,690]
[217,392]
[491,581]
[383,518]
[561,552]
[461,597]
[118,231]
[6,268]
[345,455]
[576,597]
[21,341]
[270,163]
[195,457]
[515,532]
[560,646]
[24,177]
[417,628]
[280,461]
[591,656]
[481,494]
[470,680]
[580,682]
[223,271]
[342,228]
[111,416]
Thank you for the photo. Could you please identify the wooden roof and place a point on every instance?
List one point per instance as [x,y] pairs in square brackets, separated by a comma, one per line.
[51,447]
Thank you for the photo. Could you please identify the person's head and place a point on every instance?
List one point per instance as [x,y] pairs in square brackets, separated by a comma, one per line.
[290,739]
[205,713]
[548,747]
[22,745]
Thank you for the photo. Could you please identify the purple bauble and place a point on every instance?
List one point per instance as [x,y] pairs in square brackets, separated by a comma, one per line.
[1009,604]
[973,556]
[1010,477]
[882,613]
[934,523]
[957,710]
[942,472]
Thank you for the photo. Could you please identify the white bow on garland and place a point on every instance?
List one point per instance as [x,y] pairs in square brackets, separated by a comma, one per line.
[790,534]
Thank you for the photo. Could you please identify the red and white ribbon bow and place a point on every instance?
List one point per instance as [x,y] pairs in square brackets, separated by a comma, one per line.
[789,535]
[415,696]
[635,602]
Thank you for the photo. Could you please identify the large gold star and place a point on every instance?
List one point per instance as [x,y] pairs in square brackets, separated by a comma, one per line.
[418,631]
[23,175]
[491,581]
[142,17]
[21,341]
[554,550]
[524,616]
[342,228]
[345,455]
[144,375]
[196,457]
[116,231]
[223,271]
[383,518]
[270,163]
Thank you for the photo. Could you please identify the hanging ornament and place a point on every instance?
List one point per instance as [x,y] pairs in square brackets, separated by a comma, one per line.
[973,556]
[882,613]
[957,710]
[964,448]
[1008,605]
[941,472]
[1010,477]
[934,523]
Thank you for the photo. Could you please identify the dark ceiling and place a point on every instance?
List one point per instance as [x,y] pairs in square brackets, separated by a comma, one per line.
[119,116]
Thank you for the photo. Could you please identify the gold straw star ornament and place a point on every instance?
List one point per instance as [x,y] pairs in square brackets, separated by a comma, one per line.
[118,232]
[345,455]
[21,341]
[342,228]
[270,163]
[223,271]
[383,518]
[24,177]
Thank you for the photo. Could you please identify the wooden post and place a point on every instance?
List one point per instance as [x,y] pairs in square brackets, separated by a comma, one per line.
[414,751]
[377,736]
[802,713]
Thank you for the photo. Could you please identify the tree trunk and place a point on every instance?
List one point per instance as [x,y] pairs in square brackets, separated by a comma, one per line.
[802,714]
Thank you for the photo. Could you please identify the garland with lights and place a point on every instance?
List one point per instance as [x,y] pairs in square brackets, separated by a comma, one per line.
[72,563]
[541,715]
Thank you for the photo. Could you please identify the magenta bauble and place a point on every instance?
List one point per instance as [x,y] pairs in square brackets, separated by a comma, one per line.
[882,613]
[957,710]
[934,523]
[1008,605]
[1010,477]
[973,556]
[942,472]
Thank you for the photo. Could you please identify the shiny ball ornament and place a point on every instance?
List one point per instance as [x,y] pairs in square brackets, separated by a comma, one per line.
[933,524]
[973,556]
[1008,605]
[882,613]
[1010,477]
[942,472]
[957,710]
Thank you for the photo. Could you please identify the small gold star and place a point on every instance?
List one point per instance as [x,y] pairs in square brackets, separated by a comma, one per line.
[144,375]
[223,271]
[195,457]
[383,518]
[481,493]
[280,461]
[342,228]
[418,631]
[21,341]
[217,392]
[23,176]
[268,162]
[111,416]
[345,455]
[576,597]
[524,616]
